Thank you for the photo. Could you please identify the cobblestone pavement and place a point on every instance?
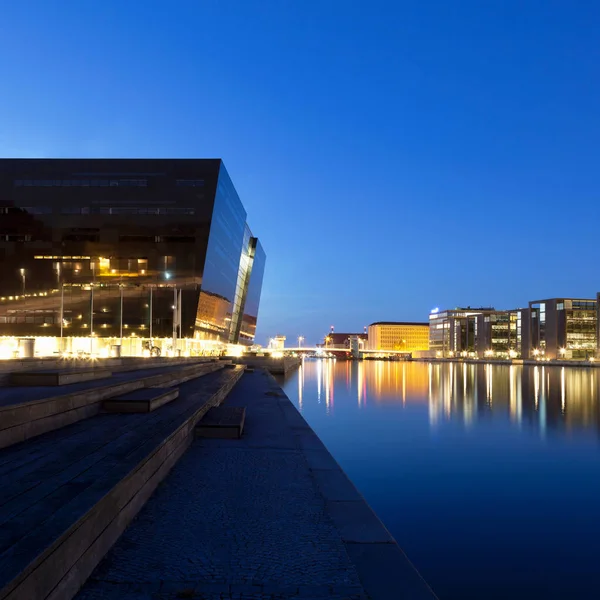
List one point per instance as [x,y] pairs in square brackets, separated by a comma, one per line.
[236,519]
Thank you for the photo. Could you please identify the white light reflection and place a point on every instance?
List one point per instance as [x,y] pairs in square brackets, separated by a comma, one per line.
[361,376]
[562,389]
[489,384]
[319,377]
[536,386]
[545,389]
[300,385]
[326,384]
[515,396]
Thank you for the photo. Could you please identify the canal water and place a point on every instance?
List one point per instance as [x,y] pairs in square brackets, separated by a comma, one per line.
[488,476]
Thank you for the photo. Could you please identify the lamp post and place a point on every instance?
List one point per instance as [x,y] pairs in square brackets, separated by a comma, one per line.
[150,324]
[300,340]
[91,319]
[121,315]
[22,272]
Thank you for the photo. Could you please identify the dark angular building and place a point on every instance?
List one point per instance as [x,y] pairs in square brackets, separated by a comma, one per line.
[126,248]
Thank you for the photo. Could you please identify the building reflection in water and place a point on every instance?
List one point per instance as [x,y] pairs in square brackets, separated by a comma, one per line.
[544,397]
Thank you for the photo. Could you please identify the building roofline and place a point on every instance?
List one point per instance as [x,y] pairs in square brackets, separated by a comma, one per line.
[563,298]
[398,323]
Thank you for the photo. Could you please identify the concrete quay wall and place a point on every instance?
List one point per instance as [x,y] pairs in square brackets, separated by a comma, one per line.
[515,361]
[276,366]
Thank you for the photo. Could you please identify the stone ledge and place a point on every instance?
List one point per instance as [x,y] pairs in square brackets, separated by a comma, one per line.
[25,420]
[141,401]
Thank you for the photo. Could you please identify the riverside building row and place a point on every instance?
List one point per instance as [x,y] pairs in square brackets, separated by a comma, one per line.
[554,328]
[130,255]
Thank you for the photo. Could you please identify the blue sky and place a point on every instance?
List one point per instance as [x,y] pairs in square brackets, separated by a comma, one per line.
[392,156]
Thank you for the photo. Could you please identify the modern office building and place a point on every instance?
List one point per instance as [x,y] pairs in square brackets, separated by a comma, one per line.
[398,336]
[95,251]
[561,328]
[455,332]
[498,334]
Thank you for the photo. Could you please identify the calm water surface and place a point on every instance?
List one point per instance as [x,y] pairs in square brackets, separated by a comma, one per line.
[487,476]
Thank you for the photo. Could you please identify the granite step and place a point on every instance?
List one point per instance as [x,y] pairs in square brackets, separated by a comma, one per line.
[224,422]
[140,401]
[31,412]
[57,377]
[67,496]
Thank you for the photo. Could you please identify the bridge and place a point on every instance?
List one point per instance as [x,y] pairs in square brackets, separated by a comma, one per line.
[330,349]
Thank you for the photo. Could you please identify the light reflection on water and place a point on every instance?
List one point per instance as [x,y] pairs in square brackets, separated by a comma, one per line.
[487,475]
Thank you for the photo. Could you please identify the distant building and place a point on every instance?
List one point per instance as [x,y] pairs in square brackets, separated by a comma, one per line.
[561,328]
[342,340]
[277,343]
[399,336]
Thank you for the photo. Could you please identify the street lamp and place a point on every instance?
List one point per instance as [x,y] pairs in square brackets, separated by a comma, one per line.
[22,272]
[300,340]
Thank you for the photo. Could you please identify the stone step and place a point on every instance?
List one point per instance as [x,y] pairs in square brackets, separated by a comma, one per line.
[57,377]
[68,495]
[140,401]
[30,412]
[225,422]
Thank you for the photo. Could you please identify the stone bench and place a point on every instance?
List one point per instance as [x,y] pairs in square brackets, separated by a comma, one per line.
[140,401]
[225,422]
[22,419]
[57,377]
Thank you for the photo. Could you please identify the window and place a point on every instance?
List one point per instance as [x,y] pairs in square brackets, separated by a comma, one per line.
[189,182]
[80,182]
[178,239]
[137,238]
[75,210]
[38,210]
[141,210]
[81,237]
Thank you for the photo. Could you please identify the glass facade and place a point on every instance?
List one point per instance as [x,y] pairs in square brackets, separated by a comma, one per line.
[563,328]
[97,248]
[217,303]
[457,331]
[252,301]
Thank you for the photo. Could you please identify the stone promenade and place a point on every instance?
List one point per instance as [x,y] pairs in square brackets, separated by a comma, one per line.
[268,516]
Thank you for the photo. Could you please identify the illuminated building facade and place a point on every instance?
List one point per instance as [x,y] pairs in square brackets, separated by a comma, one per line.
[456,331]
[499,334]
[398,336]
[561,328]
[134,248]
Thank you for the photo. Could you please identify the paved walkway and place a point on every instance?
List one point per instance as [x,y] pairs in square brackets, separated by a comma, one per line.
[267,516]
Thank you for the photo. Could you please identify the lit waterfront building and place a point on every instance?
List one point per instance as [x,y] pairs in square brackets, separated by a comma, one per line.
[498,334]
[455,332]
[398,336]
[93,251]
[345,341]
[561,328]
